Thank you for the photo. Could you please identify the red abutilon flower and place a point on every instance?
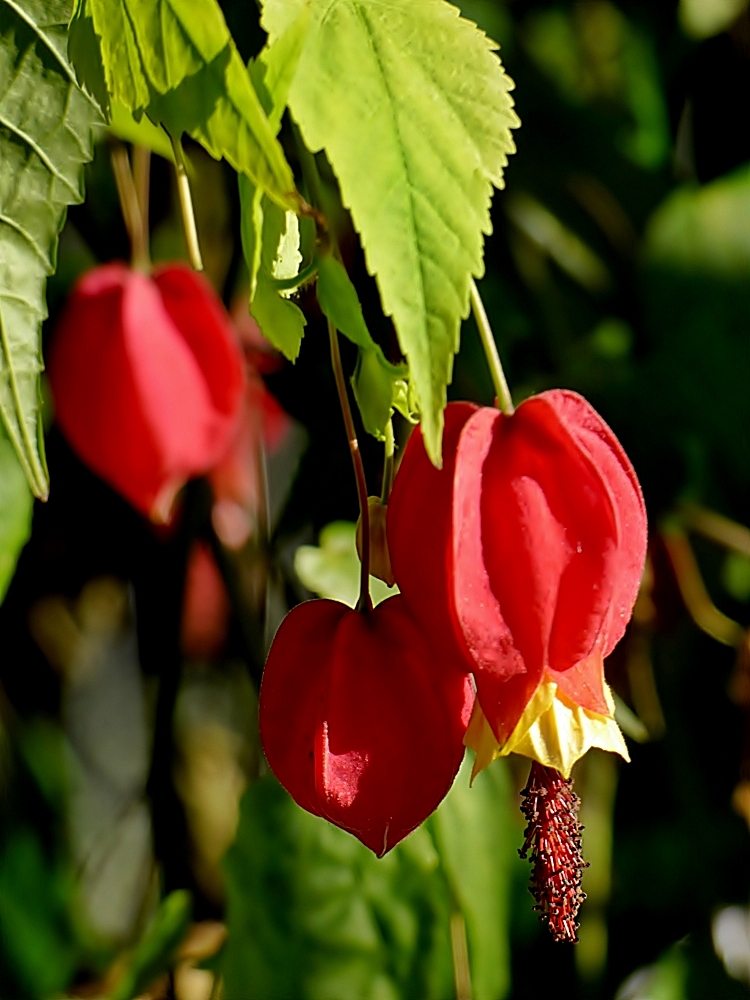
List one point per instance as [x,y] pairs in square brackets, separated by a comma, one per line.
[360,720]
[523,555]
[147,378]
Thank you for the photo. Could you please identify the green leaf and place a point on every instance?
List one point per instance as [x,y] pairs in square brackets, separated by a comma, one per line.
[16,507]
[339,301]
[376,386]
[700,230]
[36,896]
[312,914]
[140,133]
[282,322]
[155,954]
[332,568]
[175,60]
[45,140]
[474,836]
[411,105]
[375,379]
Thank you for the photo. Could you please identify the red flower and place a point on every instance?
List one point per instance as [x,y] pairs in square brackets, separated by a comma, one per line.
[524,556]
[361,722]
[147,378]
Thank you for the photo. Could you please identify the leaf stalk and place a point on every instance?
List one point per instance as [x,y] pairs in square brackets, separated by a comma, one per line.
[502,392]
[186,206]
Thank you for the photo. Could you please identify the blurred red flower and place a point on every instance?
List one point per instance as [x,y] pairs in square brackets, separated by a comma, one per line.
[147,377]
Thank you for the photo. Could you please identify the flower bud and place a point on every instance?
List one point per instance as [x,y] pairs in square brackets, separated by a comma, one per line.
[380,560]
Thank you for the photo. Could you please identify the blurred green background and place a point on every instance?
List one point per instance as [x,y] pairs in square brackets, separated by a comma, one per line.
[130,770]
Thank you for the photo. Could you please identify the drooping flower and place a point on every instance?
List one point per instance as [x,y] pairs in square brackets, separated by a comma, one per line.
[147,378]
[523,555]
[361,721]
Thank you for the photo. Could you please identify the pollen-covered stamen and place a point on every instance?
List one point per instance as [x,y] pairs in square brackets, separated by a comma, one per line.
[553,840]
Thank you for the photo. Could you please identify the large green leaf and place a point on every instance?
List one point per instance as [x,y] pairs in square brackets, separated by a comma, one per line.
[411,105]
[45,138]
[15,512]
[314,915]
[474,837]
[175,60]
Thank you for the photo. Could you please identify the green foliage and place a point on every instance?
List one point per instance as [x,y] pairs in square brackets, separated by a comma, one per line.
[412,108]
[666,979]
[155,954]
[375,380]
[331,568]
[263,227]
[45,140]
[736,576]
[140,133]
[34,917]
[701,230]
[175,60]
[16,506]
[475,841]
[312,914]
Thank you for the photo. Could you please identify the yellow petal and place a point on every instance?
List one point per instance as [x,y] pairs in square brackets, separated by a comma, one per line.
[552,730]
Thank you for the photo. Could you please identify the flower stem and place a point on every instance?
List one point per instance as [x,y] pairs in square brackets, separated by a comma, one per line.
[390,447]
[502,392]
[186,206]
[131,208]
[364,603]
[142,182]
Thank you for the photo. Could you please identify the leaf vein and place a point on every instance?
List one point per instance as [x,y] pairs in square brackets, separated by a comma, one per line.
[17,227]
[36,148]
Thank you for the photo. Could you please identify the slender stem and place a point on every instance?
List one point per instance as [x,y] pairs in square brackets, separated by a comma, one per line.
[390,447]
[186,206]
[131,209]
[142,181]
[364,603]
[502,392]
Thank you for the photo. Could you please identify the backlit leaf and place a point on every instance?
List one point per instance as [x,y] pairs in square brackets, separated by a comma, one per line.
[175,60]
[332,568]
[45,140]
[411,105]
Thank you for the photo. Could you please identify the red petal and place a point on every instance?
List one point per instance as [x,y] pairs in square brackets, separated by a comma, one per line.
[584,683]
[419,536]
[293,692]
[549,538]
[595,438]
[487,636]
[357,722]
[207,329]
